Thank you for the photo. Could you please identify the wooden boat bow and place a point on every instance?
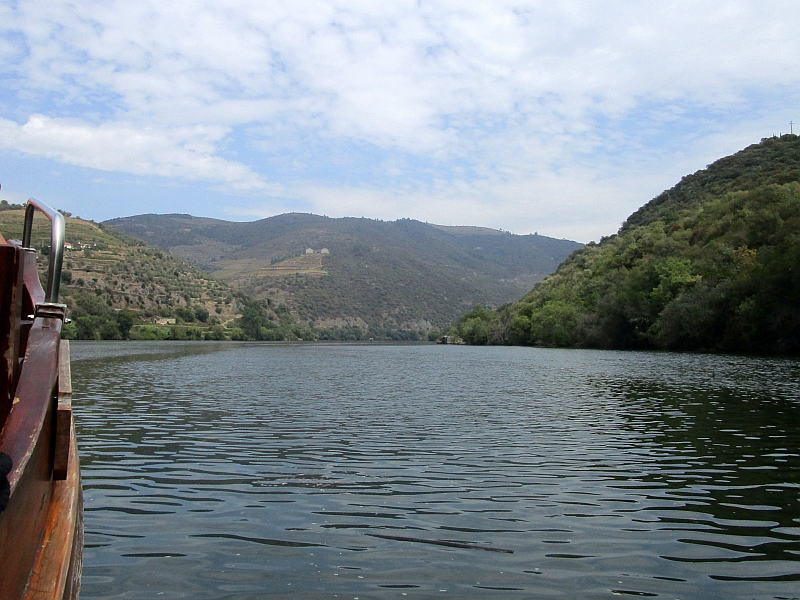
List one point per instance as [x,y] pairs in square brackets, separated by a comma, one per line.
[41,527]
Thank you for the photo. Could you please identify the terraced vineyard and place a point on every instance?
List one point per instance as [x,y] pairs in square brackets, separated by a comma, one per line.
[106,273]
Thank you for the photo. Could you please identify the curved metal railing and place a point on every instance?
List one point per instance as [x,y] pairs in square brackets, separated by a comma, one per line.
[56,244]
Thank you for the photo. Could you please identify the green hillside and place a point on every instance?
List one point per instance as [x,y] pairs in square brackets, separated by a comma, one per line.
[117,287]
[375,276]
[711,264]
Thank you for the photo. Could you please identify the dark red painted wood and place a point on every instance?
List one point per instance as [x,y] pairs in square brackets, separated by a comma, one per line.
[41,528]
[34,293]
[10,309]
[27,437]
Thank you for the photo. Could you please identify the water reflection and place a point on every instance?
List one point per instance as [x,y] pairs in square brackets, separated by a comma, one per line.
[730,459]
[246,470]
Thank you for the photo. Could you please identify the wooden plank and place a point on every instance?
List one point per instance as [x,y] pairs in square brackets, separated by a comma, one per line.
[56,571]
[73,587]
[27,438]
[33,397]
[61,452]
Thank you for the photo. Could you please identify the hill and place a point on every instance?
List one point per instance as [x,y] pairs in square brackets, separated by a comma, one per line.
[711,264]
[374,275]
[118,287]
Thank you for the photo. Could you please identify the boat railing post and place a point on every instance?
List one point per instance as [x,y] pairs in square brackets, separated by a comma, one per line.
[57,238]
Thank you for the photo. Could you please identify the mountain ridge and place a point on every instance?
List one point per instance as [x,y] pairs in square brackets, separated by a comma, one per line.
[394,274]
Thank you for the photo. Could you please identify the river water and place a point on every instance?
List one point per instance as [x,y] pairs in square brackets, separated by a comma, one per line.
[235,470]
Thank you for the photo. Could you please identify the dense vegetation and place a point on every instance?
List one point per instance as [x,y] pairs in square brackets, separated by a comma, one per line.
[711,264]
[386,280]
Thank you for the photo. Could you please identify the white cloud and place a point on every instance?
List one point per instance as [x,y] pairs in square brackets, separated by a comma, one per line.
[184,152]
[390,69]
[520,96]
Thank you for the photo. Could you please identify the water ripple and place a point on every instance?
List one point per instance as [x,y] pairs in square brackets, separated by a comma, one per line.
[259,469]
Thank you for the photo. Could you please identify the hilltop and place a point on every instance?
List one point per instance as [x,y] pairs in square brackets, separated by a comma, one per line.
[710,264]
[339,275]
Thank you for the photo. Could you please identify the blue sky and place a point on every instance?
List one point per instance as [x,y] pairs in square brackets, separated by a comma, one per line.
[556,117]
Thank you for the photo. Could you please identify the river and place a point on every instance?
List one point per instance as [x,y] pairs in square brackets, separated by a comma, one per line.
[245,470]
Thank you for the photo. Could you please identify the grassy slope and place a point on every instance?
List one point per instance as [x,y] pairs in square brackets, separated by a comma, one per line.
[402,274]
[120,273]
[713,263]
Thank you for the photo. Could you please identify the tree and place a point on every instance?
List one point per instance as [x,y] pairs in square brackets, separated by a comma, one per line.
[124,320]
[255,322]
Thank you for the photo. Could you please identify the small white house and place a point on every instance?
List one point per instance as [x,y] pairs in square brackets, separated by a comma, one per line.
[309,251]
[325,251]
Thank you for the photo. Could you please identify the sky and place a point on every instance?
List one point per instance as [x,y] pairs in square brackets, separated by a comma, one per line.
[556,117]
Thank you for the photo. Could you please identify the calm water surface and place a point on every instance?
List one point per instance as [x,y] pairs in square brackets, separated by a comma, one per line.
[216,470]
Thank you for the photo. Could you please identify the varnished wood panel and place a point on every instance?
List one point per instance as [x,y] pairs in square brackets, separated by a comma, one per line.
[27,437]
[64,431]
[56,572]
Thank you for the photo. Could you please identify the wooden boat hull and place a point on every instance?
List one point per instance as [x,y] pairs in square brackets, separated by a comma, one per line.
[41,514]
[56,571]
[41,529]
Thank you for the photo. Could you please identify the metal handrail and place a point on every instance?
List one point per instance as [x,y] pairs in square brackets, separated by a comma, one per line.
[56,244]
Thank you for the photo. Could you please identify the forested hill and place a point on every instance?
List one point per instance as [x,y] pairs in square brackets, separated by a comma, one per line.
[373,275]
[711,264]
